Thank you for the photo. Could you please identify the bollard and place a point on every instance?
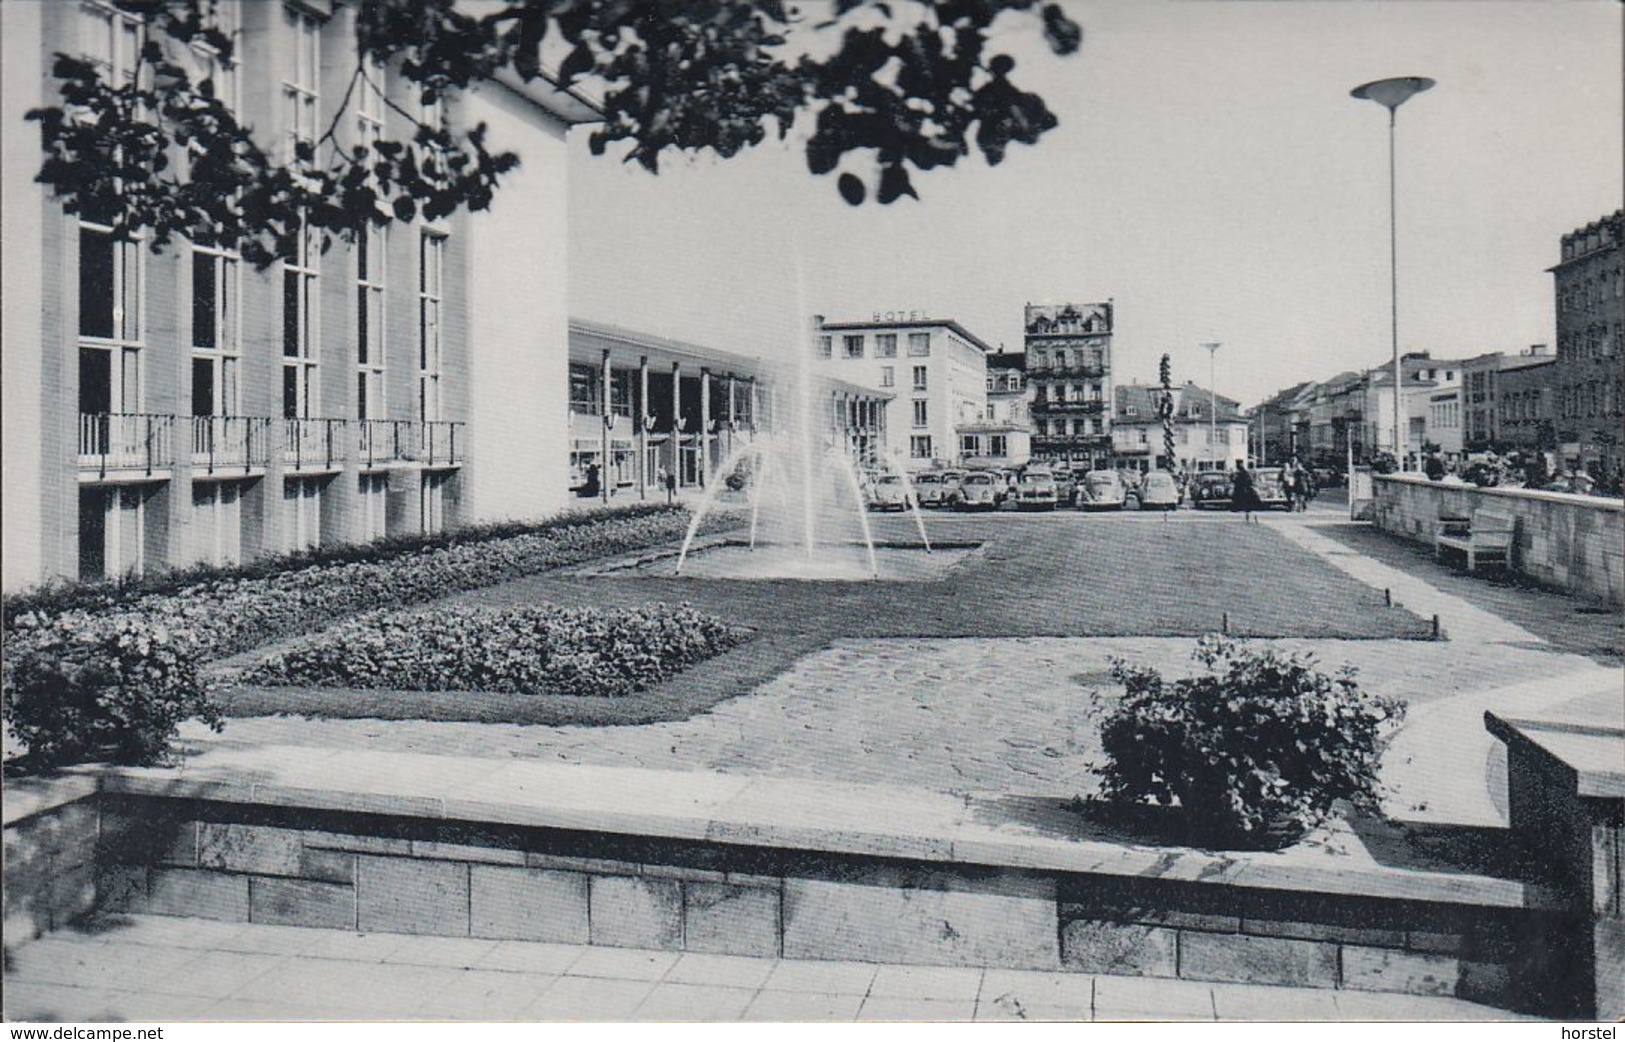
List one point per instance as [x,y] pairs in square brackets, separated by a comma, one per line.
[1224,624]
[1435,627]
[1388,596]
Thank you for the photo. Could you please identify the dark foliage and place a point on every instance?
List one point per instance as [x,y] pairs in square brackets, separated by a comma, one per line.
[1254,751]
[162,156]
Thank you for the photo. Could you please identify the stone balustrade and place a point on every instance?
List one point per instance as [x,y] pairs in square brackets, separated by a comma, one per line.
[1571,542]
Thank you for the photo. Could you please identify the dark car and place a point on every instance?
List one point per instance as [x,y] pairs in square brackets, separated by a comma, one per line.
[1210,491]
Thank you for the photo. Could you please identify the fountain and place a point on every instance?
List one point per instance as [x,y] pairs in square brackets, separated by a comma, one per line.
[809,515]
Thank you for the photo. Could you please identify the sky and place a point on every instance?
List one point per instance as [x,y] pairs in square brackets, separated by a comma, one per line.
[1211,175]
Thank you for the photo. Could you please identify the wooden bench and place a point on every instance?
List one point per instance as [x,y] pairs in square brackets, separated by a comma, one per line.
[1485,536]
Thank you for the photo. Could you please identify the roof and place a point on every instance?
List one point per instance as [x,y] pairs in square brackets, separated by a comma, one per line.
[918,323]
[589,338]
[568,105]
[1191,404]
[1052,319]
[1016,360]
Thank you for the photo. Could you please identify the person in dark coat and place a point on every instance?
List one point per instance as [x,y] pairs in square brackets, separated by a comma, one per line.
[1243,494]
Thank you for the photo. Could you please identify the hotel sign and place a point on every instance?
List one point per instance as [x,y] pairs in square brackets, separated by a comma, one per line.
[902,316]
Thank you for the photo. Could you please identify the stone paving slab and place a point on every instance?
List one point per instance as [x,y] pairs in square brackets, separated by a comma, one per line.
[150,968]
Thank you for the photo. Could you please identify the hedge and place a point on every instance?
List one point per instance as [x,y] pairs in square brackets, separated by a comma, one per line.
[233,614]
[527,650]
[58,598]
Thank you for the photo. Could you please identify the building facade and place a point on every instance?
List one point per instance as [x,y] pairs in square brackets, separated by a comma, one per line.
[1487,412]
[1068,349]
[178,407]
[1003,438]
[1280,425]
[1210,432]
[1590,294]
[642,406]
[936,368]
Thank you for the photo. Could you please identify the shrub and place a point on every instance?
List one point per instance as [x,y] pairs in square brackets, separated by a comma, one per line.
[229,615]
[57,598]
[115,687]
[528,650]
[1254,751]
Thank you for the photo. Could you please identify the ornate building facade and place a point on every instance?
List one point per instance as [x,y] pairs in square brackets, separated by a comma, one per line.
[1068,350]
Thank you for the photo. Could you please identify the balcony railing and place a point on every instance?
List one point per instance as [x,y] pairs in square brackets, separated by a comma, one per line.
[125,442]
[1087,406]
[230,443]
[444,442]
[312,443]
[1087,372]
[385,441]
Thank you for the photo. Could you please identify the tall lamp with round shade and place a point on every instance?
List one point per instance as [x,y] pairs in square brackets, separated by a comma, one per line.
[1390,94]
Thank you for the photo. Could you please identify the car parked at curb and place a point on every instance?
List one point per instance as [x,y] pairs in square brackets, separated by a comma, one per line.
[1159,491]
[1270,485]
[1102,490]
[928,488]
[889,492]
[1211,491]
[978,490]
[1035,489]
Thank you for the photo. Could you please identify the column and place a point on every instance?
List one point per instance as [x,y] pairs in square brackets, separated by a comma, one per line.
[705,426]
[643,427]
[675,449]
[733,412]
[604,477]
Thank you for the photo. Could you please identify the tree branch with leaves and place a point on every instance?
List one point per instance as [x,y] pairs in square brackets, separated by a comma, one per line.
[877,90]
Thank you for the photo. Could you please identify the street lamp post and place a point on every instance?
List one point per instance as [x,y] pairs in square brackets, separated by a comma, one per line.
[1213,399]
[1390,94]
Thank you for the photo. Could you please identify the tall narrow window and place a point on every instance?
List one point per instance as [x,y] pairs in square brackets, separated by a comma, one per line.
[431,267]
[215,339]
[301,101]
[110,340]
[919,377]
[300,275]
[371,249]
[300,269]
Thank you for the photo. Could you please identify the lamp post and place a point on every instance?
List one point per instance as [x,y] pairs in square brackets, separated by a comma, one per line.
[1213,399]
[1390,94]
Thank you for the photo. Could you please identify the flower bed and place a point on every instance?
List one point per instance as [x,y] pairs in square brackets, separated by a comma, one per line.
[529,650]
[234,614]
[103,654]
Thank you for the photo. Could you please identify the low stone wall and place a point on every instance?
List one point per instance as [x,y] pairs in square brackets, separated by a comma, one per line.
[368,873]
[1571,542]
[777,867]
[51,835]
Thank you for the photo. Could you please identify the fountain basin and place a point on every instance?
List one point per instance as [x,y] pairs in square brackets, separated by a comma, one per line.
[839,563]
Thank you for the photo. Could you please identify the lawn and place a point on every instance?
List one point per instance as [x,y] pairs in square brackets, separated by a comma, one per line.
[1056,575]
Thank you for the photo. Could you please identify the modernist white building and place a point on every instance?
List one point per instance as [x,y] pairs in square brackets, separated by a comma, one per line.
[165,409]
[936,368]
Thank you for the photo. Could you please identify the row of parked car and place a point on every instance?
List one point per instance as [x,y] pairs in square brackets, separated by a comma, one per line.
[1034,487]
[1045,487]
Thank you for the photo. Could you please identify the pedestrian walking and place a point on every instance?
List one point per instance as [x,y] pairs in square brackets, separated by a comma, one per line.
[671,484]
[1243,494]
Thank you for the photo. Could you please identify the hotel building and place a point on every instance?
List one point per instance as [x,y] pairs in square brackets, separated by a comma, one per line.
[936,366]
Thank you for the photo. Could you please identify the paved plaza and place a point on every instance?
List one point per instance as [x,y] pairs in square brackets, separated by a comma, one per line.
[142,968]
[1011,713]
[933,695]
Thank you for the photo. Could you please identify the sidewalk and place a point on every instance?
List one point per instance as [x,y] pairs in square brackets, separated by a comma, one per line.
[1444,766]
[199,970]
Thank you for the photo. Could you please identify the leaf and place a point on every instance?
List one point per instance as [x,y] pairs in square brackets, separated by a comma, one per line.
[851,189]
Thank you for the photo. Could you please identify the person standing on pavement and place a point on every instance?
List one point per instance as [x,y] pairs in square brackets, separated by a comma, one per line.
[1243,494]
